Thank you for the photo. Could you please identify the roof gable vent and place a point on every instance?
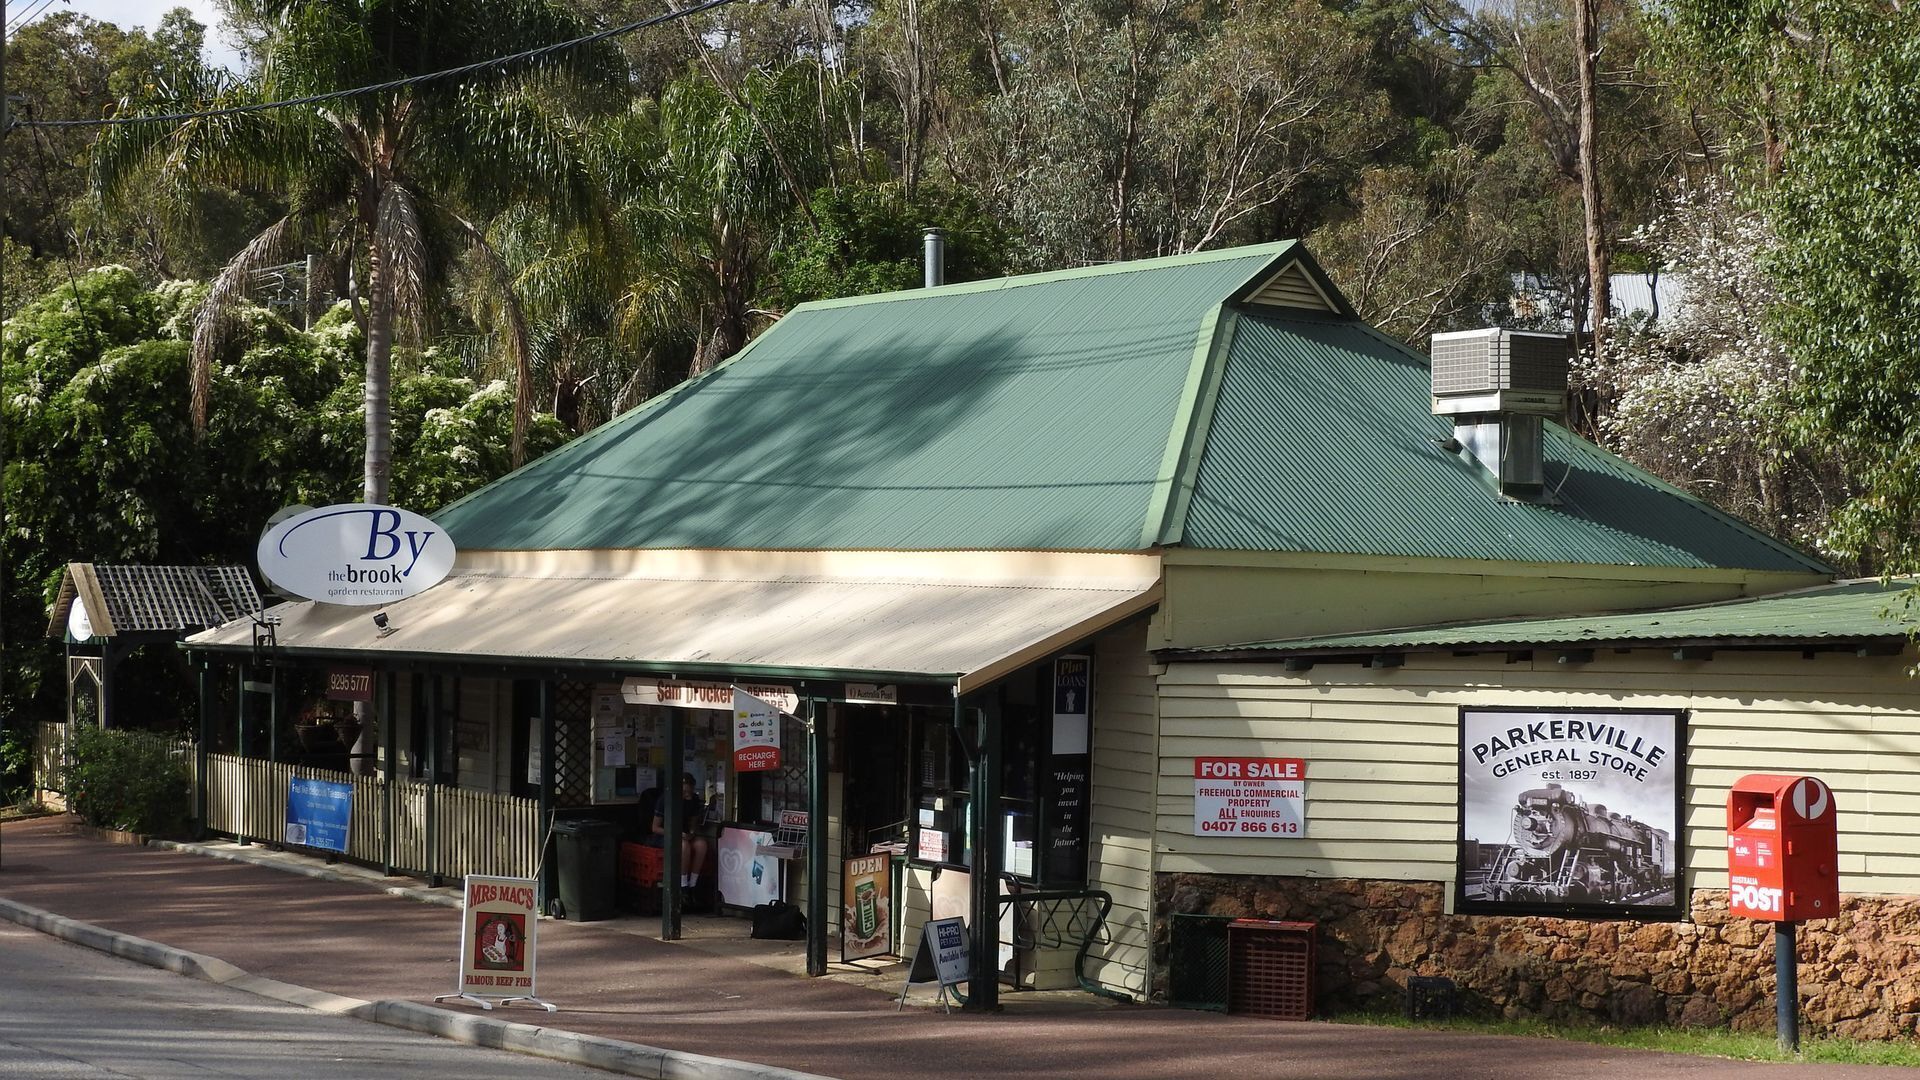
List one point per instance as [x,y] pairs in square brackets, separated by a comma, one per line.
[1295,288]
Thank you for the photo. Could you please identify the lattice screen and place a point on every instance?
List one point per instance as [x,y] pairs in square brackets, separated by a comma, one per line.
[573,744]
[786,787]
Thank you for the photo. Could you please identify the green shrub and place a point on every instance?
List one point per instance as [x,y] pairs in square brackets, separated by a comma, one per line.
[16,766]
[127,780]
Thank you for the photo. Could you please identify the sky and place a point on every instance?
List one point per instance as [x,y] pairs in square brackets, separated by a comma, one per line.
[141,13]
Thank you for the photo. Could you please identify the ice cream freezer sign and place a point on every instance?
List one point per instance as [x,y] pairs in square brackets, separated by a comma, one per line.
[1238,796]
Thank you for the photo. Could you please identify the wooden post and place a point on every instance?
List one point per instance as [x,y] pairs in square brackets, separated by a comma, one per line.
[816,838]
[670,815]
[389,688]
[983,985]
[433,781]
[549,874]
[201,780]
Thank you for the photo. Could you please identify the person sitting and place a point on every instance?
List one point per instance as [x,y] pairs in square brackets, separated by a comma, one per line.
[693,848]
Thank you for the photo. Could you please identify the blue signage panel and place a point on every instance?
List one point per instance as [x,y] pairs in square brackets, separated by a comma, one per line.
[318,813]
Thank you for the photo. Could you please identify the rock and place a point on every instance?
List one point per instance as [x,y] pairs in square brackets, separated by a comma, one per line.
[1701,1012]
[1860,971]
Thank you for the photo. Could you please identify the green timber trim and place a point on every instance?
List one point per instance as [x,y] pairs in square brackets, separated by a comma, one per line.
[1166,512]
[1280,251]
[532,666]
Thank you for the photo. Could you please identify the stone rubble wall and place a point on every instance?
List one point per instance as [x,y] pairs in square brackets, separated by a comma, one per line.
[1859,972]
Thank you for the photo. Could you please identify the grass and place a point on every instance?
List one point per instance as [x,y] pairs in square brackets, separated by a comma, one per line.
[1699,1042]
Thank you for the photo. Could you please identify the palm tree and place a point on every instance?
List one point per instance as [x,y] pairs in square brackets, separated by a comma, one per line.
[714,172]
[391,178]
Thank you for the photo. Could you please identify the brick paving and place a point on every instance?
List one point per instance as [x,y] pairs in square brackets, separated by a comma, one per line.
[347,939]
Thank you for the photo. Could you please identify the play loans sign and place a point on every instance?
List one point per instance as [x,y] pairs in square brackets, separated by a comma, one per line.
[359,553]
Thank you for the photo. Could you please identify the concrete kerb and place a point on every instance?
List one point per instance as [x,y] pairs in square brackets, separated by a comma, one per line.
[612,1055]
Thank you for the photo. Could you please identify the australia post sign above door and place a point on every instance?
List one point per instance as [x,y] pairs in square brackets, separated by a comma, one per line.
[359,553]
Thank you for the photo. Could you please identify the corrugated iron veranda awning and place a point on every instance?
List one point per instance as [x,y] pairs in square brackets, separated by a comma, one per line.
[769,621]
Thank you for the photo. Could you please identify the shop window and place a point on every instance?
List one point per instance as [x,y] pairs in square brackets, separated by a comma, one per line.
[1040,820]
[942,777]
[425,719]
[1020,729]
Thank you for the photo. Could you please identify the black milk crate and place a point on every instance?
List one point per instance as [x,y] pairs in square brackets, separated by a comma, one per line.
[1197,962]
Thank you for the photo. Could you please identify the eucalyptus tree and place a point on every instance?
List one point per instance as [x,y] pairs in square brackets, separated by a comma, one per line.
[392,180]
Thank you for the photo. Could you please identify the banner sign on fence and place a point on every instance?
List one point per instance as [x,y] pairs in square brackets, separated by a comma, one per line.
[499,932]
[319,813]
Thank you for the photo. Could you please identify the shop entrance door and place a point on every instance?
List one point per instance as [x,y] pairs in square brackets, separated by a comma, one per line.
[876,799]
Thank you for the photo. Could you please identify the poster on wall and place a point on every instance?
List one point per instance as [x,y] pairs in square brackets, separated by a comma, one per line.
[1573,811]
[1063,841]
[866,918]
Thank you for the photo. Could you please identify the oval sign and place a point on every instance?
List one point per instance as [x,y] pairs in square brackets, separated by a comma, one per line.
[358,553]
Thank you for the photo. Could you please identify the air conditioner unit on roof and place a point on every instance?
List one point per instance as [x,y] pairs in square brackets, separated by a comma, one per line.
[1500,371]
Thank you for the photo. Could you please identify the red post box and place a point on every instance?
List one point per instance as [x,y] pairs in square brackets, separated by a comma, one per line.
[1783,848]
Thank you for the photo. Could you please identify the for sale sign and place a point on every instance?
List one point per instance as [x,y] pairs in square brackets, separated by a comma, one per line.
[1249,797]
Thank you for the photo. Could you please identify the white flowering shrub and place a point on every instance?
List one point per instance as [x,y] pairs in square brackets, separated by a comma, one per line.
[1702,397]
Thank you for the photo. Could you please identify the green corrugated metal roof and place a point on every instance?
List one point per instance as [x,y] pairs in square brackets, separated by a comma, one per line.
[1846,611]
[1323,440]
[1117,408]
[1024,413]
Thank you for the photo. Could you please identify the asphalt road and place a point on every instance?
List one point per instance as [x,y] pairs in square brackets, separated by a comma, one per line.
[70,1012]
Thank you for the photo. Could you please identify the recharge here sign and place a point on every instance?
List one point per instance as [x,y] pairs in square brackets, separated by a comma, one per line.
[1236,796]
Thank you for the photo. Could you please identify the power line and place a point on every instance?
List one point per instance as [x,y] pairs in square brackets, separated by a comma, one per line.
[502,62]
[20,21]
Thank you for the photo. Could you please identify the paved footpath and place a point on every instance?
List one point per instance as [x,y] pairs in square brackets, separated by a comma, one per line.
[655,1008]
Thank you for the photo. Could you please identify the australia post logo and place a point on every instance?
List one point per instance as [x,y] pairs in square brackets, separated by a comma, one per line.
[359,553]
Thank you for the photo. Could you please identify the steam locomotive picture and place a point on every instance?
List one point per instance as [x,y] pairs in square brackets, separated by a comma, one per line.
[1560,849]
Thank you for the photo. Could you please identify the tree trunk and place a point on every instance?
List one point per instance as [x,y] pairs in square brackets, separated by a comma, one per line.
[1586,45]
[379,459]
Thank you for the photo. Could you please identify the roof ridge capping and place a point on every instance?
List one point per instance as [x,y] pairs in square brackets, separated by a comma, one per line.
[1274,249]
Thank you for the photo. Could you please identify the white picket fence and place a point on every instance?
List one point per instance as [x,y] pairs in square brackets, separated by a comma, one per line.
[52,743]
[474,832]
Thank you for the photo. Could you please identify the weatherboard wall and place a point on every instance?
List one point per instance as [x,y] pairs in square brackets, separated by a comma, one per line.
[1381,751]
[1120,819]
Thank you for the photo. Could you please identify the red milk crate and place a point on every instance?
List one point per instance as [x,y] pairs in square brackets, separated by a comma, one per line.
[1270,968]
